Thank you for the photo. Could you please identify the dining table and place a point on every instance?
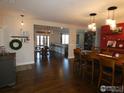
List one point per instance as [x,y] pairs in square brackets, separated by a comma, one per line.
[97,55]
[119,61]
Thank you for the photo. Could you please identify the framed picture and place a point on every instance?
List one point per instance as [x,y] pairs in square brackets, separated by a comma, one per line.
[111,43]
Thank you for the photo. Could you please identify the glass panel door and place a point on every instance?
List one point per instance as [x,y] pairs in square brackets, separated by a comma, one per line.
[42,40]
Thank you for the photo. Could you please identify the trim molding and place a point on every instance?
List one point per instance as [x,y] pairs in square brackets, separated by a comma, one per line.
[71,57]
[24,63]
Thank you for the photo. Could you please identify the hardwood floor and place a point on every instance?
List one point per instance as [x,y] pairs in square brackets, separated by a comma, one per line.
[53,74]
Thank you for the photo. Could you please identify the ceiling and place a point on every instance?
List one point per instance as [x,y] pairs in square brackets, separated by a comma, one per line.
[66,11]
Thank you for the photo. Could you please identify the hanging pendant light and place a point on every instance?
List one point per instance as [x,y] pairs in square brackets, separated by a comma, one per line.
[110,20]
[92,25]
[22,22]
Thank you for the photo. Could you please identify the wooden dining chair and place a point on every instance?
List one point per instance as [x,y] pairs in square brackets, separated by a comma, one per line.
[76,64]
[107,70]
[83,61]
[89,66]
[120,69]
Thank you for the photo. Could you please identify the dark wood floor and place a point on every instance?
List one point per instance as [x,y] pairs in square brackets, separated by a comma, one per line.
[53,74]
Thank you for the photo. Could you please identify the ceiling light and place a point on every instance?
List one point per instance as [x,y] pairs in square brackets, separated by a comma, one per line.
[110,20]
[22,22]
[92,25]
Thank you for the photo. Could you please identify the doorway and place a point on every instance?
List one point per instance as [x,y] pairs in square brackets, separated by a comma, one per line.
[51,39]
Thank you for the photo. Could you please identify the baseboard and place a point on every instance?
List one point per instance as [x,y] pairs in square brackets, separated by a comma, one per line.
[24,66]
[24,63]
[70,57]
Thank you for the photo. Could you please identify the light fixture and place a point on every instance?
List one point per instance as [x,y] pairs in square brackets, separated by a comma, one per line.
[110,20]
[92,25]
[22,22]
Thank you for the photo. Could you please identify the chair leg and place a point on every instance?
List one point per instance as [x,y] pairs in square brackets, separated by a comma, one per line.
[74,67]
[112,80]
[100,78]
[82,71]
[92,71]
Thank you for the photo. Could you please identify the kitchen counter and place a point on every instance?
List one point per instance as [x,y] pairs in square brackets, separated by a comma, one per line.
[60,48]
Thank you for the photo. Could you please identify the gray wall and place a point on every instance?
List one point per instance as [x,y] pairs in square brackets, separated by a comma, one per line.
[81,38]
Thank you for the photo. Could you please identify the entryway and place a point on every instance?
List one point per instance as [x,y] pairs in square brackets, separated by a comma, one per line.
[50,39]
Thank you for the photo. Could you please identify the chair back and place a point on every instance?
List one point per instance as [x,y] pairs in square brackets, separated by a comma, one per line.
[77,53]
[107,62]
[107,69]
[83,57]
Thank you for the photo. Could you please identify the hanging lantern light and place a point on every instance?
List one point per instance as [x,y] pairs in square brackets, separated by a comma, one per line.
[110,20]
[92,25]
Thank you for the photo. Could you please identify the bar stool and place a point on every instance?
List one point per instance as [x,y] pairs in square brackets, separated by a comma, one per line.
[107,70]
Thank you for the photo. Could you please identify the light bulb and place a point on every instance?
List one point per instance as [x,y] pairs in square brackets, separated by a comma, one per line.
[113,25]
[108,21]
[22,23]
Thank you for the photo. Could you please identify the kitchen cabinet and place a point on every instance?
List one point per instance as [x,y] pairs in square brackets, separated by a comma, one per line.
[7,69]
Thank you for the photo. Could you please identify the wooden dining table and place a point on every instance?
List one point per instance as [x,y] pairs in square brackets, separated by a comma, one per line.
[96,56]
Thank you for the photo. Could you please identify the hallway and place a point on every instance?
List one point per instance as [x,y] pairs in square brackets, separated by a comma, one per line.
[53,74]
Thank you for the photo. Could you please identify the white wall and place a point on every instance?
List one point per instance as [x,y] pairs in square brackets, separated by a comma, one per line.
[1,21]
[12,27]
[1,31]
[72,42]
[1,37]
[26,54]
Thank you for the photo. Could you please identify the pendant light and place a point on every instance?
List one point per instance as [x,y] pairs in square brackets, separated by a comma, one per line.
[110,20]
[22,22]
[92,25]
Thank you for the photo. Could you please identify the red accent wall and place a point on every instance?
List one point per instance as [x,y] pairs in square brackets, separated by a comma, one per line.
[107,35]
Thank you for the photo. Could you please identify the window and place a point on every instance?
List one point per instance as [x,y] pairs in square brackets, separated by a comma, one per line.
[42,40]
[65,39]
[38,40]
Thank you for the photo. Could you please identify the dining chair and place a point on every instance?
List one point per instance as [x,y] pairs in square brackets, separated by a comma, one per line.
[89,66]
[120,69]
[44,52]
[76,65]
[107,70]
[83,63]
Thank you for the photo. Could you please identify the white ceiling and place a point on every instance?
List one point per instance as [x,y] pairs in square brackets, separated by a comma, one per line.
[66,11]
